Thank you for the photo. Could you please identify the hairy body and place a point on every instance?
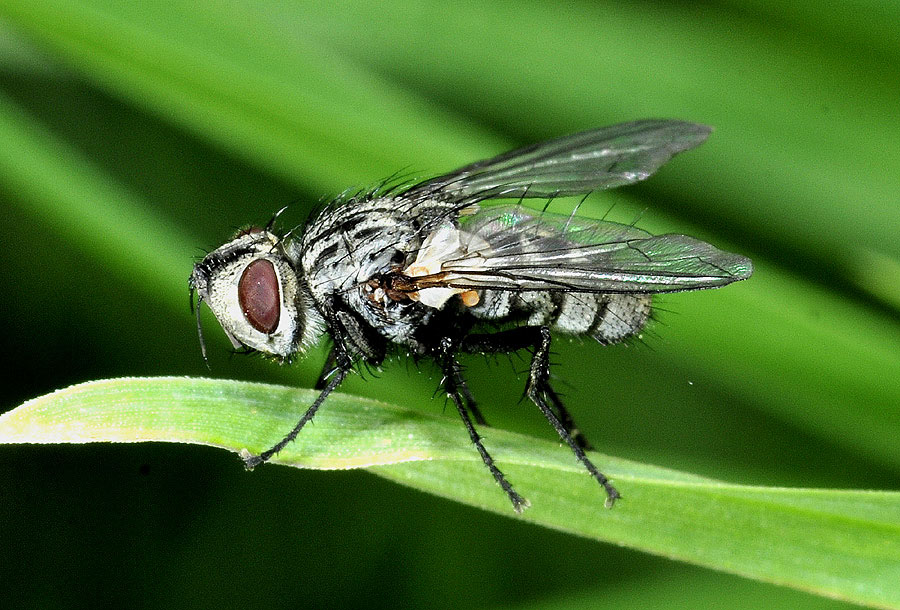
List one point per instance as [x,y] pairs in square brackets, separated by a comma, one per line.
[431,270]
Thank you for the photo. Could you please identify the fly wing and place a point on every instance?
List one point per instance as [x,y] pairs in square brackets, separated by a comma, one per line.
[512,248]
[580,163]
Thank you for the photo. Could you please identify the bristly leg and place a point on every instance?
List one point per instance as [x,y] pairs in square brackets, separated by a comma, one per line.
[337,376]
[538,386]
[470,401]
[328,369]
[452,383]
[538,390]
[511,341]
[566,419]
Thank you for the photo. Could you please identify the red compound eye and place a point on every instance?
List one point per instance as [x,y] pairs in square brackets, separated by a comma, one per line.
[259,297]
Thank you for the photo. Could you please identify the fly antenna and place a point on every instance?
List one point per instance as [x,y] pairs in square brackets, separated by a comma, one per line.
[196,310]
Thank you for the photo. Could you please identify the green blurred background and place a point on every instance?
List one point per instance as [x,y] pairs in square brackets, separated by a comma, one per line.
[134,136]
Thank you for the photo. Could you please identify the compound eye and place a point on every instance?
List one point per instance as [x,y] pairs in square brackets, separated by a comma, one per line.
[258,296]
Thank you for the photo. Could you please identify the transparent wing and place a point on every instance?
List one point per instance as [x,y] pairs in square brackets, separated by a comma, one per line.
[591,160]
[512,248]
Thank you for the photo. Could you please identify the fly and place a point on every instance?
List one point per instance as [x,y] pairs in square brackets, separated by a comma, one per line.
[430,270]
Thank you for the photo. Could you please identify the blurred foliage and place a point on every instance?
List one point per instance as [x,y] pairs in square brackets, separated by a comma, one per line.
[135,134]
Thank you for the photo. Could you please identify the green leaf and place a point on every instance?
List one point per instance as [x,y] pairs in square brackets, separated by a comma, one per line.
[840,543]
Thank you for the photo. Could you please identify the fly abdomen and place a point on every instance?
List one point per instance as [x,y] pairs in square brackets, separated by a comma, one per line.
[619,316]
[608,318]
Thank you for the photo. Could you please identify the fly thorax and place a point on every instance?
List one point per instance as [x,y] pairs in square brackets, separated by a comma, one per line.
[396,321]
[344,251]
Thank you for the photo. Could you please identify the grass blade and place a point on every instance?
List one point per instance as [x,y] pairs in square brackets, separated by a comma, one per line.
[843,544]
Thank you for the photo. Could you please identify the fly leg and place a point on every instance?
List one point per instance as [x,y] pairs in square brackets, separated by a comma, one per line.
[514,340]
[538,389]
[566,419]
[328,369]
[470,401]
[337,367]
[454,383]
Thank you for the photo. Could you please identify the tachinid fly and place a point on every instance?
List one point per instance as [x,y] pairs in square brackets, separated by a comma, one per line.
[429,270]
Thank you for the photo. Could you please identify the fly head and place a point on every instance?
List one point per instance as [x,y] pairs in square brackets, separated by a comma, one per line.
[253,289]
